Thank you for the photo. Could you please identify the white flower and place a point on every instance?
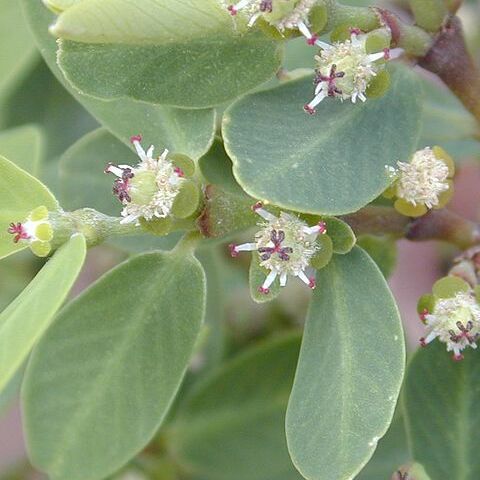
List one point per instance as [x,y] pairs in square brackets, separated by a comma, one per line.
[149,189]
[454,321]
[345,70]
[286,244]
[423,179]
[282,14]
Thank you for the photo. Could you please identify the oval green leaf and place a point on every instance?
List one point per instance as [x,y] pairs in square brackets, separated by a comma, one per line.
[349,373]
[441,399]
[25,320]
[17,49]
[20,193]
[23,146]
[232,425]
[331,163]
[189,56]
[120,352]
[161,125]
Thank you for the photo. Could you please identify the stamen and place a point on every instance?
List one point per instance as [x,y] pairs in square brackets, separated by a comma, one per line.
[18,230]
[179,171]
[423,315]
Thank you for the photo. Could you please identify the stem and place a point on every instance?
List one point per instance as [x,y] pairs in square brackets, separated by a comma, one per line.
[442,225]
[450,60]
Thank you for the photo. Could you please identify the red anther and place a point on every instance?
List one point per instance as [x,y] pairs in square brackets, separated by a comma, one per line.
[265,291]
[233,250]
[233,11]
[458,357]
[312,40]
[179,171]
[423,315]
[309,109]
[355,31]
[136,138]
[312,283]
[257,206]
[323,228]
[422,342]
[386,53]
[19,232]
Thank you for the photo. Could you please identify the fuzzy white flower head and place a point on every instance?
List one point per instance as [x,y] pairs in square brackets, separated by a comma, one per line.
[423,179]
[454,321]
[345,70]
[282,14]
[149,189]
[286,245]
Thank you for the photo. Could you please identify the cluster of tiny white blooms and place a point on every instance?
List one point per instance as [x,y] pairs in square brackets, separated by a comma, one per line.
[423,179]
[149,189]
[286,244]
[295,18]
[345,70]
[454,321]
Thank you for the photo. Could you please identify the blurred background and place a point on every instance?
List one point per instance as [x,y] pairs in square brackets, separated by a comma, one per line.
[40,122]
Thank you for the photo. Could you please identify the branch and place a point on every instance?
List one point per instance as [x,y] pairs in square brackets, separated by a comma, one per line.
[442,225]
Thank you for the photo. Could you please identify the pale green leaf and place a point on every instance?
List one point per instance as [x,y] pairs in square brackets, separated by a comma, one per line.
[441,399]
[185,131]
[24,146]
[232,425]
[331,163]
[25,320]
[120,352]
[349,372]
[392,452]
[191,55]
[20,193]
[383,251]
[17,49]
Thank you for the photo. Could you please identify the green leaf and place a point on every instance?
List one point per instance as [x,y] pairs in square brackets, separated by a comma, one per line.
[42,100]
[446,122]
[349,372]
[20,193]
[392,452]
[120,352]
[232,425]
[17,49]
[25,320]
[183,131]
[82,179]
[441,399]
[187,56]
[331,163]
[24,146]
[216,168]
[383,251]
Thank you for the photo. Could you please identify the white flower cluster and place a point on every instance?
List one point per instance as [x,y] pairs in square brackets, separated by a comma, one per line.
[454,321]
[149,189]
[285,244]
